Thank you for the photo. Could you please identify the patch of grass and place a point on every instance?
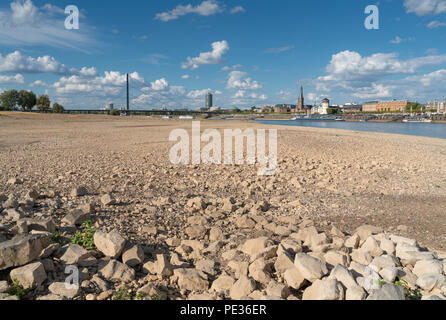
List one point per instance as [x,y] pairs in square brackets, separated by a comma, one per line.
[122,294]
[437,186]
[409,293]
[140,295]
[84,237]
[17,289]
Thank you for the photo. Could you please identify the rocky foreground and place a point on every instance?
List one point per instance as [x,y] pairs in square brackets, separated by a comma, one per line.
[347,215]
[297,262]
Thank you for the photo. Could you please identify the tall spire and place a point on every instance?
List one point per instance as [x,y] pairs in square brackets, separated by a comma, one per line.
[300,103]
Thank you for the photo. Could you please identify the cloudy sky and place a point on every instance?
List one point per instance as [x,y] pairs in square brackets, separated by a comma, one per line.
[247,52]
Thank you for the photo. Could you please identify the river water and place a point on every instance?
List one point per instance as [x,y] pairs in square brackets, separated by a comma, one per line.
[431,130]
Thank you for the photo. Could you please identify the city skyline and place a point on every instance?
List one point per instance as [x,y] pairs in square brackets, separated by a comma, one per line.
[243,52]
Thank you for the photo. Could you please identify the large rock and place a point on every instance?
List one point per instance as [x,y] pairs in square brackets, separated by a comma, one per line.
[294,278]
[428,282]
[255,246]
[324,290]
[223,283]
[116,271]
[427,266]
[310,268]
[161,266]
[133,256]
[73,253]
[242,288]
[388,292]
[343,275]
[275,289]
[108,200]
[76,218]
[110,244]
[389,274]
[258,271]
[384,261]
[29,276]
[63,290]
[22,250]
[366,231]
[191,279]
[283,262]
[371,246]
[355,293]
[40,224]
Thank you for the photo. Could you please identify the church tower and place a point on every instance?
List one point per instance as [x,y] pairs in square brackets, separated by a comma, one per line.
[301,101]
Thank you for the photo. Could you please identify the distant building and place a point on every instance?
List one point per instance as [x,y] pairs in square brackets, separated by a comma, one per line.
[392,106]
[371,106]
[351,107]
[383,106]
[209,100]
[284,108]
[109,106]
[439,105]
[322,109]
[267,109]
[214,109]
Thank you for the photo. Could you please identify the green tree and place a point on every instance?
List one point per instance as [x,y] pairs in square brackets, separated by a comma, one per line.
[43,103]
[57,108]
[26,100]
[114,112]
[414,106]
[332,110]
[9,99]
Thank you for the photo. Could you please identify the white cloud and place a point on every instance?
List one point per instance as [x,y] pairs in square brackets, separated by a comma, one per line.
[350,65]
[38,83]
[17,79]
[160,84]
[397,40]
[25,25]
[111,83]
[238,80]
[380,76]
[195,94]
[186,76]
[279,50]
[214,57]
[425,7]
[237,9]
[206,8]
[23,12]
[235,67]
[53,9]
[17,62]
[436,24]
[239,94]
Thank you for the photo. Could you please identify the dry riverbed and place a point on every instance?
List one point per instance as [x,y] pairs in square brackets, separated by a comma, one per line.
[186,228]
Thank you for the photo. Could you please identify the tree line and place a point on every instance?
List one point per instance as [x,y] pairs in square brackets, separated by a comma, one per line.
[26,100]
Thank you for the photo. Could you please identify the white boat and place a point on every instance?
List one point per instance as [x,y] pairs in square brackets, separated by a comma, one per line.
[417,121]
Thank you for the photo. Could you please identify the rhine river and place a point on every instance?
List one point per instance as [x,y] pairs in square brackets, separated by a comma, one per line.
[431,130]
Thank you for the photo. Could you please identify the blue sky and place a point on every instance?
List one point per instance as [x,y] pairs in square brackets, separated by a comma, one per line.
[246,52]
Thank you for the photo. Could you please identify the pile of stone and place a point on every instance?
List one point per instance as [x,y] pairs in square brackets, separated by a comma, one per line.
[251,258]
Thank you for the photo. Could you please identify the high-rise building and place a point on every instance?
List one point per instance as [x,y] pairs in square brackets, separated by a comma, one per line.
[301,101]
[209,100]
